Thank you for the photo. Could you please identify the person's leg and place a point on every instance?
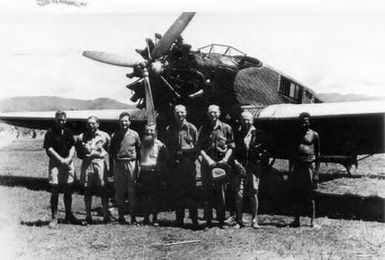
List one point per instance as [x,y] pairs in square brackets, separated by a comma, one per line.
[221,204]
[120,184]
[104,199]
[208,194]
[54,200]
[253,187]
[238,189]
[131,177]
[88,204]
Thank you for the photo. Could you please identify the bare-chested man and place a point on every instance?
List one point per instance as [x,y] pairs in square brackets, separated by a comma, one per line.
[304,176]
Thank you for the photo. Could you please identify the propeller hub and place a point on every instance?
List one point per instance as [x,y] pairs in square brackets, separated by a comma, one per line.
[157,67]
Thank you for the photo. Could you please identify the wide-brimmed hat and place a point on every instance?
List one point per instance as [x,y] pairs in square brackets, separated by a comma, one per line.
[218,174]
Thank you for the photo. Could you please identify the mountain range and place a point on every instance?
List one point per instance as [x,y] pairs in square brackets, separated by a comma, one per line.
[52,103]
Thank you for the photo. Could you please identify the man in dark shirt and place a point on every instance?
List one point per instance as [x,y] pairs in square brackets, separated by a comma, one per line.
[304,177]
[59,144]
[181,139]
[216,144]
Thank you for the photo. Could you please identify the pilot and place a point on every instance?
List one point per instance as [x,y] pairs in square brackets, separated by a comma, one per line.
[125,145]
[152,162]
[92,147]
[181,139]
[216,144]
[304,176]
[249,157]
[59,144]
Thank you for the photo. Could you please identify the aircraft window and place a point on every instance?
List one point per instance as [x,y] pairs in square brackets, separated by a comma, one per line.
[221,49]
[290,89]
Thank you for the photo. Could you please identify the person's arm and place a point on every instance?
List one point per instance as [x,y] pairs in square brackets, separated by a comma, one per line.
[68,160]
[53,154]
[230,144]
[317,151]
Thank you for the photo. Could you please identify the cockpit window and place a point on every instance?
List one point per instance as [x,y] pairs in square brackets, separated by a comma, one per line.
[221,49]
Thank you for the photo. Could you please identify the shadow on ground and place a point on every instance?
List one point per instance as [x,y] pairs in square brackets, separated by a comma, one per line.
[275,198]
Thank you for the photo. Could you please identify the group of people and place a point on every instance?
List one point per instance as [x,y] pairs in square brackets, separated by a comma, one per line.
[226,159]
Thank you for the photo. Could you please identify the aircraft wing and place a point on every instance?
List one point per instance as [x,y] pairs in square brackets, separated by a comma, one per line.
[75,118]
[349,128]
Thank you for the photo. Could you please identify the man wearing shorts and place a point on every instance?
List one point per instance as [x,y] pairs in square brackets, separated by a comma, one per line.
[125,145]
[92,147]
[59,144]
[304,176]
[248,160]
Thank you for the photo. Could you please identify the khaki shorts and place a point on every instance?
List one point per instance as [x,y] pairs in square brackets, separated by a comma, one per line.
[93,173]
[60,174]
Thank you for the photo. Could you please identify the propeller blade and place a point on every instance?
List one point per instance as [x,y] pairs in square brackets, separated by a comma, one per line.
[150,110]
[113,59]
[171,35]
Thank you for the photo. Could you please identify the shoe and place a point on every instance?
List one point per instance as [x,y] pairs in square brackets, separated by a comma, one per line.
[155,224]
[254,224]
[195,224]
[315,226]
[71,219]
[89,220]
[295,223]
[238,226]
[106,220]
[122,221]
[53,223]
[146,221]
[230,220]
[133,221]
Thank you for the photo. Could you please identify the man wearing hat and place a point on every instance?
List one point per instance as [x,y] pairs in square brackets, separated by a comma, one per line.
[249,155]
[216,144]
[304,176]
[181,139]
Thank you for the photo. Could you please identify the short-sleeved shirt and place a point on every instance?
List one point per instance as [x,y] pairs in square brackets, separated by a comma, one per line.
[125,144]
[248,145]
[181,138]
[215,141]
[86,143]
[60,141]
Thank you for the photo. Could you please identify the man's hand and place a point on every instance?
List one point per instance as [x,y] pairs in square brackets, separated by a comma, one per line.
[315,181]
[211,162]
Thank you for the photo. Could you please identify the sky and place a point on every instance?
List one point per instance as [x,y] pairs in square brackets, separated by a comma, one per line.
[329,46]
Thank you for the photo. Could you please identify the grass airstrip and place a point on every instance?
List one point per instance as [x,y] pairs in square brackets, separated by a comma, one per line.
[25,214]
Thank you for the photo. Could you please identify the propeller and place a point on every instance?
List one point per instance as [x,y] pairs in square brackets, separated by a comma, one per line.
[114,59]
[171,35]
[149,61]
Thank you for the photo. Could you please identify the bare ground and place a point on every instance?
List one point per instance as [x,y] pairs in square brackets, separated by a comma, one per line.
[25,213]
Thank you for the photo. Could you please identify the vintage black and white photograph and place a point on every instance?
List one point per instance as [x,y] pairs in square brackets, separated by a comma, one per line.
[192,130]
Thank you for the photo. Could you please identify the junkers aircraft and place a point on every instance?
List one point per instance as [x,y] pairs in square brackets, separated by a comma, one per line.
[169,72]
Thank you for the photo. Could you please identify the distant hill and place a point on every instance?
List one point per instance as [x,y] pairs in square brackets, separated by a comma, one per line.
[48,103]
[335,97]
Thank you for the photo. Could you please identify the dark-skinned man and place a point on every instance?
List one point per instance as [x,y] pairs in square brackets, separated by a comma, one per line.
[304,177]
[59,144]
[216,144]
[181,139]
